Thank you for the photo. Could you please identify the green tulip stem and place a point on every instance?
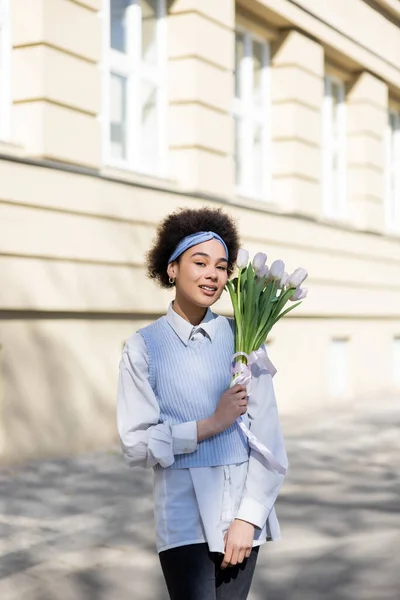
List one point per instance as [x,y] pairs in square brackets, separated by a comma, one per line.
[239,314]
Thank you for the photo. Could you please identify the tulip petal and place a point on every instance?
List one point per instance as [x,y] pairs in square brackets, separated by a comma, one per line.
[277,270]
[297,277]
[242,258]
[259,261]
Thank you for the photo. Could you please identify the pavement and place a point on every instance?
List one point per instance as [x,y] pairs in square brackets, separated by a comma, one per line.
[81,528]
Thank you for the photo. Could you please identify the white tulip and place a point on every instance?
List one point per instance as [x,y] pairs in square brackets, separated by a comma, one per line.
[277,270]
[242,258]
[299,294]
[297,277]
[263,272]
[284,280]
[259,261]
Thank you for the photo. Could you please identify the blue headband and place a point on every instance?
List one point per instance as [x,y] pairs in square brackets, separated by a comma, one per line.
[193,240]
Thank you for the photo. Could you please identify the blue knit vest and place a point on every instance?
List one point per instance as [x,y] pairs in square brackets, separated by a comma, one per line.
[188,382]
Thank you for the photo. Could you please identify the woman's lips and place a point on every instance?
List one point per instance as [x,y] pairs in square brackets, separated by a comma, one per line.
[209,292]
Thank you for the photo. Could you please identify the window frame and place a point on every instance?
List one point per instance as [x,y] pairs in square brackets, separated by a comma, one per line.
[131,66]
[250,115]
[5,70]
[335,202]
[392,170]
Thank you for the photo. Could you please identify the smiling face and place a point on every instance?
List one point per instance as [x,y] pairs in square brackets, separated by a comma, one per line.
[201,274]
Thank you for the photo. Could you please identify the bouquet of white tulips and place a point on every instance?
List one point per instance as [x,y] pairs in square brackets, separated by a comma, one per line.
[259,294]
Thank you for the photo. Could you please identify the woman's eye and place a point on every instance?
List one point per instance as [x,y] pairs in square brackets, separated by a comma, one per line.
[201,264]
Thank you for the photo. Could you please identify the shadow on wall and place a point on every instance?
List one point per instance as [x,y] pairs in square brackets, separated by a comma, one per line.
[58,378]
[59,387]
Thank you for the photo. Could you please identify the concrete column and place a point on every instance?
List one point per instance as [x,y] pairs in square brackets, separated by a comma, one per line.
[200,78]
[297,93]
[367,106]
[56,80]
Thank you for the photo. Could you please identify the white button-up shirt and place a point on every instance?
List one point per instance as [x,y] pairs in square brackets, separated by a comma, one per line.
[197,504]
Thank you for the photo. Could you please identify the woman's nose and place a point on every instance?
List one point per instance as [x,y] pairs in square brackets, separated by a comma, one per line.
[213,275]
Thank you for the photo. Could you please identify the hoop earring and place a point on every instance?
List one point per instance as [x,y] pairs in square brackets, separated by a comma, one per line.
[171,280]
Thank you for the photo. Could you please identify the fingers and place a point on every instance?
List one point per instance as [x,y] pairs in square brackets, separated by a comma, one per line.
[225,560]
[241,555]
[242,403]
[227,557]
[240,395]
[239,387]
[240,398]
[242,406]
[234,556]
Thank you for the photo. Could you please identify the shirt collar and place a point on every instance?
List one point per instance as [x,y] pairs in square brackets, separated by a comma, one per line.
[184,329]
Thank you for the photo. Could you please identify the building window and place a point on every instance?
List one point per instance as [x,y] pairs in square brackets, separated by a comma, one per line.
[251,113]
[135,99]
[334,149]
[339,367]
[396,361]
[393,171]
[5,70]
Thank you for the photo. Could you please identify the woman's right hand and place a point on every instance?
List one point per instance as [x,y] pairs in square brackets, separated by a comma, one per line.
[231,405]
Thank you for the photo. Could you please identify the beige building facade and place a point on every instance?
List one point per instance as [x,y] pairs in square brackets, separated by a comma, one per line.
[114,113]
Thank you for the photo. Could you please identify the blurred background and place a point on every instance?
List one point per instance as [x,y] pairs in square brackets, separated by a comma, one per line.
[113,113]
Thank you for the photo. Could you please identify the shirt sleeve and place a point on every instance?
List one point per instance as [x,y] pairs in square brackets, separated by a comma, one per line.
[262,484]
[144,440]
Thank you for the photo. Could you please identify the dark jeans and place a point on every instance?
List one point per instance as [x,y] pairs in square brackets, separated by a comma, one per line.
[193,573]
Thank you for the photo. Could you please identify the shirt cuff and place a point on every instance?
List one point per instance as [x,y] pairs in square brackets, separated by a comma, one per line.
[184,437]
[160,446]
[253,512]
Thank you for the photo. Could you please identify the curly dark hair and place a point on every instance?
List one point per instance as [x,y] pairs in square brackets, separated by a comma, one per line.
[177,226]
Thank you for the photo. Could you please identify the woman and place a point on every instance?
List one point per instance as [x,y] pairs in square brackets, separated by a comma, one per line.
[214,496]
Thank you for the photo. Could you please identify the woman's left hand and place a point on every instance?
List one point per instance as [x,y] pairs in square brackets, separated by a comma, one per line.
[238,543]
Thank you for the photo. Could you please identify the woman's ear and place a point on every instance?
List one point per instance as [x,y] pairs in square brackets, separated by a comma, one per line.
[171,270]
